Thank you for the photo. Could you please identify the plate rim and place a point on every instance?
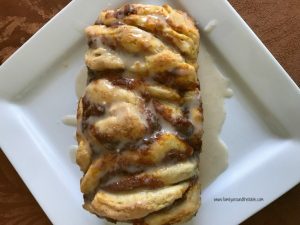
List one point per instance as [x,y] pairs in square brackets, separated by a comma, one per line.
[5,103]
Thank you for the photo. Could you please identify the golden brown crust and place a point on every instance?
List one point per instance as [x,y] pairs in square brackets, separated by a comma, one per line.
[140,118]
[180,213]
[155,177]
[165,145]
[126,37]
[173,25]
[136,204]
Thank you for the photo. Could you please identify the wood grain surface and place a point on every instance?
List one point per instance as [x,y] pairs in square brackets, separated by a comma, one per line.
[277,24]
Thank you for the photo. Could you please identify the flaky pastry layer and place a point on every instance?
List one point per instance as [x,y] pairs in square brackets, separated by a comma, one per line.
[140,118]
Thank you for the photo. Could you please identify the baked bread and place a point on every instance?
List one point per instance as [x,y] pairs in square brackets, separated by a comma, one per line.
[140,118]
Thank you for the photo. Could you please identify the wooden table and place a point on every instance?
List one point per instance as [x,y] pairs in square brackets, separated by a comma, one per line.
[277,24]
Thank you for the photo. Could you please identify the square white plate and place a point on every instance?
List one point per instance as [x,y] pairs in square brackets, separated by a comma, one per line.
[262,128]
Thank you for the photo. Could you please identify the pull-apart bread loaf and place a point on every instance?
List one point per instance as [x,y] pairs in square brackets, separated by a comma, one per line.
[140,118]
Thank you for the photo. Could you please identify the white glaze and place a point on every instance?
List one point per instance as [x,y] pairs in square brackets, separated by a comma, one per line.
[210,26]
[72,152]
[165,125]
[192,104]
[128,59]
[214,89]
[70,120]
[80,84]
